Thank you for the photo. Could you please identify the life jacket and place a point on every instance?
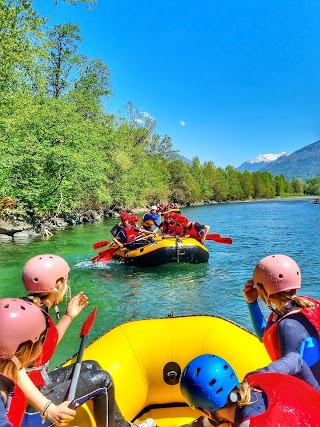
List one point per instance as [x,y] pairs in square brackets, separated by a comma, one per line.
[38,373]
[16,401]
[291,402]
[179,229]
[147,223]
[270,338]
[168,228]
[131,233]
[192,231]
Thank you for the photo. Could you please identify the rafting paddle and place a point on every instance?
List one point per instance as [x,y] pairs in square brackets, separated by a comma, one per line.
[224,240]
[76,371]
[106,255]
[101,244]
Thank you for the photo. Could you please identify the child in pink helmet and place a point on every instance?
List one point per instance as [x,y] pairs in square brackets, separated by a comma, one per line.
[22,325]
[291,334]
[45,277]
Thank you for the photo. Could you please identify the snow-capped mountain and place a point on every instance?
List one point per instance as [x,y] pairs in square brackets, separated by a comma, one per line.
[260,161]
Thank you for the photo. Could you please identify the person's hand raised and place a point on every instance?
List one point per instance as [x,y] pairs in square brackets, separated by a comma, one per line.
[250,292]
[76,305]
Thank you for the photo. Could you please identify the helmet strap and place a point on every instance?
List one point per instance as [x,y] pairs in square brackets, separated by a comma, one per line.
[16,361]
[57,311]
[269,304]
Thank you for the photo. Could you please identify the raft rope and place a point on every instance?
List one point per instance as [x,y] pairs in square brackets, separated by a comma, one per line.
[177,251]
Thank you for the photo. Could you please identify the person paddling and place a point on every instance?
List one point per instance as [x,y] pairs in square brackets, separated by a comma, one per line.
[195,229]
[291,335]
[129,232]
[45,277]
[210,384]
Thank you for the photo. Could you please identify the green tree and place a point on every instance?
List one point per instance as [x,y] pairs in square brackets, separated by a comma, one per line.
[297,185]
[313,186]
[63,45]
[247,184]
[235,189]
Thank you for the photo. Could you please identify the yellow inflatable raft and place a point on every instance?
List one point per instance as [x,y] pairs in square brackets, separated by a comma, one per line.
[145,358]
[163,250]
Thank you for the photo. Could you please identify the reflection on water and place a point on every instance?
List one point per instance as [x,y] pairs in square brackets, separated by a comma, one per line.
[124,293]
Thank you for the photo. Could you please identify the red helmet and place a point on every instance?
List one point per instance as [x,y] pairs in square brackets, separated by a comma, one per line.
[277,273]
[125,216]
[174,215]
[41,273]
[134,219]
[167,215]
[182,220]
[20,321]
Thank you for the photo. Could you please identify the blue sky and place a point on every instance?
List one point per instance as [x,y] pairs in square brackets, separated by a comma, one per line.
[227,80]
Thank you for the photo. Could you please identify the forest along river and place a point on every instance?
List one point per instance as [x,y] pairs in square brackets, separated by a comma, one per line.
[124,293]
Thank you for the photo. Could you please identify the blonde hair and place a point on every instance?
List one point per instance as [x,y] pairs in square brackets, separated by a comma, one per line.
[244,393]
[38,297]
[26,354]
[287,296]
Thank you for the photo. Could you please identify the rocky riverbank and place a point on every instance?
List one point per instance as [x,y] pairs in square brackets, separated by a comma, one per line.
[14,228]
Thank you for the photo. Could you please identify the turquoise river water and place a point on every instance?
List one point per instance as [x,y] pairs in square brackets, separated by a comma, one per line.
[124,293]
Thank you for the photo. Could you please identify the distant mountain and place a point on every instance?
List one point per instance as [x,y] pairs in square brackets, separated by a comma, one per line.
[303,163]
[259,162]
[184,159]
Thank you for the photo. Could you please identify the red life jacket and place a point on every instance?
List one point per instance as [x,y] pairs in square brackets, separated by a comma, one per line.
[164,227]
[131,233]
[38,372]
[179,229]
[291,402]
[193,232]
[270,338]
[16,402]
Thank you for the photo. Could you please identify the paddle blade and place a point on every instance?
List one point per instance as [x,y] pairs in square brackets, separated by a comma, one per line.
[88,323]
[212,236]
[224,240]
[101,244]
[107,255]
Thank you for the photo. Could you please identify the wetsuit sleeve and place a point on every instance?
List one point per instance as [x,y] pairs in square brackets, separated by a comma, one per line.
[4,422]
[292,335]
[121,237]
[293,364]
[156,218]
[257,319]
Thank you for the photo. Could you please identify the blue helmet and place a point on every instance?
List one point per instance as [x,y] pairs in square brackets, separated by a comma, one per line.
[207,383]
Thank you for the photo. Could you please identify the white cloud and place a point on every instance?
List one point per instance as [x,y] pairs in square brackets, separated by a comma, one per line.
[139,121]
[147,115]
[182,123]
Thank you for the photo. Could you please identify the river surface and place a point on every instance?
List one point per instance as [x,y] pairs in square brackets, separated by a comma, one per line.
[124,293]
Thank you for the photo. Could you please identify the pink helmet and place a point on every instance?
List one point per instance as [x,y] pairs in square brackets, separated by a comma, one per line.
[40,274]
[20,321]
[277,273]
